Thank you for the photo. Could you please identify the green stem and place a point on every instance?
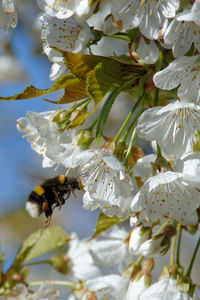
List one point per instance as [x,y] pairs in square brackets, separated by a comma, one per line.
[128,118]
[156,97]
[179,229]
[56,282]
[193,258]
[118,36]
[139,260]
[84,102]
[37,263]
[163,227]
[130,147]
[131,125]
[173,248]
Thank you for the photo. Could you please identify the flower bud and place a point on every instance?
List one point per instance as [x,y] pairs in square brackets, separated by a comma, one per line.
[83,139]
[61,264]
[159,244]
[138,236]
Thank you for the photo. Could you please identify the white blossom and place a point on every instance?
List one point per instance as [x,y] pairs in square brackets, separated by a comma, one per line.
[194,14]
[105,182]
[65,34]
[143,167]
[111,248]
[58,67]
[40,131]
[82,265]
[61,9]
[8,14]
[172,126]
[168,195]
[112,287]
[183,73]
[136,287]
[151,16]
[189,164]
[148,52]
[85,9]
[20,291]
[181,33]
[166,289]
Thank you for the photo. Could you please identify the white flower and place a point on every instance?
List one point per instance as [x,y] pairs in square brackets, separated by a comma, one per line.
[181,33]
[149,15]
[45,291]
[138,236]
[188,164]
[8,14]
[105,182]
[166,289]
[41,131]
[102,19]
[61,9]
[136,287]
[172,126]
[182,72]
[80,260]
[194,14]
[66,34]
[143,167]
[148,52]
[111,248]
[168,195]
[10,68]
[85,9]
[58,67]
[112,287]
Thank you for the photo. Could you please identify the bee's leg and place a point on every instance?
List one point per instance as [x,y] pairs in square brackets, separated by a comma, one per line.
[57,198]
[73,192]
[47,222]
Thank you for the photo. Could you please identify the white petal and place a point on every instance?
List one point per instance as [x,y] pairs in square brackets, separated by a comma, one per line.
[110,287]
[165,196]
[183,71]
[172,126]
[148,52]
[60,9]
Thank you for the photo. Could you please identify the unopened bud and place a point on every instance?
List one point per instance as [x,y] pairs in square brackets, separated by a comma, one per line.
[83,139]
[61,264]
[138,236]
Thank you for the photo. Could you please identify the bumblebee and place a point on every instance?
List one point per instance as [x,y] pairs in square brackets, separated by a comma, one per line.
[49,195]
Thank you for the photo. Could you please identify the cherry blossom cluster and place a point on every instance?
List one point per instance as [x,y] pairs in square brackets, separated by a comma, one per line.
[154,197]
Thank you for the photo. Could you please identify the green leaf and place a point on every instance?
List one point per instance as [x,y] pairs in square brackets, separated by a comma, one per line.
[74,91]
[104,222]
[40,242]
[33,92]
[80,64]
[105,112]
[101,79]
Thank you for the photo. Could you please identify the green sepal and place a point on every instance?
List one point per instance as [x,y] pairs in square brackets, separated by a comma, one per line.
[132,34]
[40,242]
[104,222]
